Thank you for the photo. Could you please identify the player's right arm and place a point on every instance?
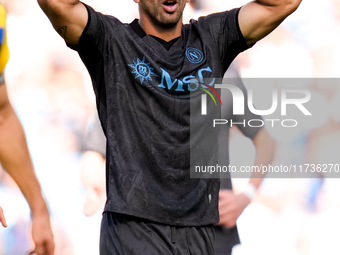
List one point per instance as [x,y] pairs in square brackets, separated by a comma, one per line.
[68,17]
[15,159]
[232,205]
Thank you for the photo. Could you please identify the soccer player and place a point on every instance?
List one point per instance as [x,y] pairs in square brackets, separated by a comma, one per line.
[145,76]
[15,159]
[231,204]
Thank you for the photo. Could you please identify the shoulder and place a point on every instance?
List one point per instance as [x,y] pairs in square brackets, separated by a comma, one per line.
[218,23]
[219,18]
[100,28]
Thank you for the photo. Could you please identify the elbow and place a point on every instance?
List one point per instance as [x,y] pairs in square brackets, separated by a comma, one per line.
[5,111]
[42,3]
[286,8]
[292,5]
[48,5]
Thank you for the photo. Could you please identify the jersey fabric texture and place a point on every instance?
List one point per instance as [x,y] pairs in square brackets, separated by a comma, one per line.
[143,100]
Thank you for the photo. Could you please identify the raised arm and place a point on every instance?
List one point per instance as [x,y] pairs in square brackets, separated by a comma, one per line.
[68,17]
[258,18]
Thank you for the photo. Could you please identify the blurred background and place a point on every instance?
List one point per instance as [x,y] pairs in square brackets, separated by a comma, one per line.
[52,94]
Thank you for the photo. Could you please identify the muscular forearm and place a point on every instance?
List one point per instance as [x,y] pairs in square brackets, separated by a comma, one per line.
[68,17]
[292,3]
[46,4]
[283,8]
[232,205]
[265,150]
[258,18]
[15,158]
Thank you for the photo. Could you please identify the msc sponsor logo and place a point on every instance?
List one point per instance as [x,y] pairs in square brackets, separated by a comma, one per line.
[192,83]
[144,72]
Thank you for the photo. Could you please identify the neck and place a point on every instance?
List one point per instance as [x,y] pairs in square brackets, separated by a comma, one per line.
[167,34]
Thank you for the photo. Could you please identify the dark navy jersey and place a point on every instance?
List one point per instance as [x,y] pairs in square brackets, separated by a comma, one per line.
[144,94]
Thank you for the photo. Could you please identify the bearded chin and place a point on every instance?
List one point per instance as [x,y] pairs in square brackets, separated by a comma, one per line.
[168,23]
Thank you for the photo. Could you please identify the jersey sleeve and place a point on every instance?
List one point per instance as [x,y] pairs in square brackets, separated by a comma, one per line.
[93,47]
[94,30]
[92,40]
[224,28]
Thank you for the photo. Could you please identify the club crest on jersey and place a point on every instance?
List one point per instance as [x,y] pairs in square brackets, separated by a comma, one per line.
[194,55]
[142,70]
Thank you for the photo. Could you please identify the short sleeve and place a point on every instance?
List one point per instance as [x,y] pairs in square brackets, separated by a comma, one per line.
[95,39]
[92,48]
[90,45]
[224,29]
[94,30]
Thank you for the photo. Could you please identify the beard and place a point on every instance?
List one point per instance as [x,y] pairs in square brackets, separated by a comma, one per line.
[161,18]
[165,22]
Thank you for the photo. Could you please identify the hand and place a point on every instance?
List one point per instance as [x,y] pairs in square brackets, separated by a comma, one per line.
[230,207]
[2,218]
[42,235]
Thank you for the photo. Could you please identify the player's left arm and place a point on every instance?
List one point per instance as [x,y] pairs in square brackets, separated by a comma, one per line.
[258,18]
[231,205]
